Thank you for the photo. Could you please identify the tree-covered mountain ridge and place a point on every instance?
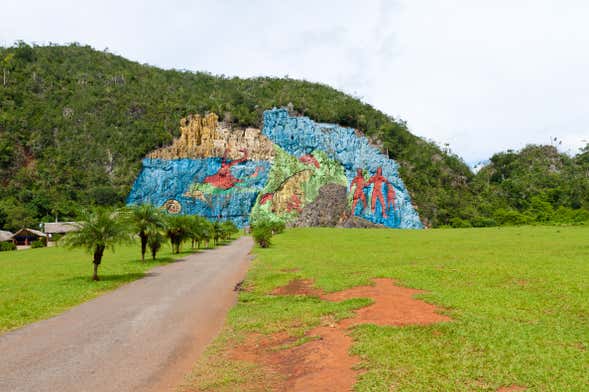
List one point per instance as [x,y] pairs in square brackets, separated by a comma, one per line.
[75,123]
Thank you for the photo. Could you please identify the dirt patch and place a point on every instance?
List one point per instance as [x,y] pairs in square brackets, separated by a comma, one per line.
[321,364]
[323,361]
[299,287]
[512,388]
[393,305]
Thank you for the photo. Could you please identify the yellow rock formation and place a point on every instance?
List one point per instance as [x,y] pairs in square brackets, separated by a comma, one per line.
[203,137]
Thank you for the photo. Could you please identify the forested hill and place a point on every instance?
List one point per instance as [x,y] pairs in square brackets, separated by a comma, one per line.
[75,123]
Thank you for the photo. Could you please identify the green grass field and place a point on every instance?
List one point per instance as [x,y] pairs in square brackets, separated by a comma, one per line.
[39,283]
[519,298]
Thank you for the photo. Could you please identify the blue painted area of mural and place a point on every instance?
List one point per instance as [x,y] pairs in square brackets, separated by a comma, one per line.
[182,180]
[301,135]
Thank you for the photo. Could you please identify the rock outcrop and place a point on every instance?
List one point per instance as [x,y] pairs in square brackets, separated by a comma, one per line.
[355,222]
[204,137]
[327,210]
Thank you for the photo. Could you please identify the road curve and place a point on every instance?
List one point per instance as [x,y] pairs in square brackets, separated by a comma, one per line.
[144,336]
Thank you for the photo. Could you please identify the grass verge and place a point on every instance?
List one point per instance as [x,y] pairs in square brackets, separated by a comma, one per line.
[36,284]
[519,298]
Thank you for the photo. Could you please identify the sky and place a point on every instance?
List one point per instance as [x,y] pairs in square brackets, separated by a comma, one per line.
[480,76]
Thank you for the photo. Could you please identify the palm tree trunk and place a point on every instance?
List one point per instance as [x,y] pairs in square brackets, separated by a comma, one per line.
[143,237]
[95,275]
[98,251]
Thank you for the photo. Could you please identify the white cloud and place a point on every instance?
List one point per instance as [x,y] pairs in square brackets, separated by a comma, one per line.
[483,76]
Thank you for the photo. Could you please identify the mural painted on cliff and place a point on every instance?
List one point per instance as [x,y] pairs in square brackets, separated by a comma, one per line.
[238,174]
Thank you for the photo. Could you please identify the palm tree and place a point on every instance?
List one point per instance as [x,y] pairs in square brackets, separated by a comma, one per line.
[99,230]
[155,239]
[145,218]
[228,229]
[198,230]
[217,231]
[207,232]
[177,230]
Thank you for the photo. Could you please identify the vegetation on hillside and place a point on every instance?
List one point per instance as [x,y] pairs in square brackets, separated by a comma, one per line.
[75,123]
[535,185]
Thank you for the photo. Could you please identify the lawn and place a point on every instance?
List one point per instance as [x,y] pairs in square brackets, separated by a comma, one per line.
[39,283]
[518,297]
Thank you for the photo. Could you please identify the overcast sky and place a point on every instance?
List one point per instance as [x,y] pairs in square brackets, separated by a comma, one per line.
[483,76]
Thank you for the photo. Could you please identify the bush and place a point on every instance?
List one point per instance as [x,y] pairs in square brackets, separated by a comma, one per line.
[262,235]
[6,246]
[481,221]
[570,216]
[277,227]
[38,244]
[510,217]
[459,223]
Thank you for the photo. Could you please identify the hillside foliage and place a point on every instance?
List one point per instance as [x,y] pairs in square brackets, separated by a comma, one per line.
[75,123]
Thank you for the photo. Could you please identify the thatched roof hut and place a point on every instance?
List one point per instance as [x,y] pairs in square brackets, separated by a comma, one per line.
[60,227]
[5,236]
[27,236]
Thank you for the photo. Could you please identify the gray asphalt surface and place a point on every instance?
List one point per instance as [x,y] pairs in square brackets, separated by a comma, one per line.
[144,336]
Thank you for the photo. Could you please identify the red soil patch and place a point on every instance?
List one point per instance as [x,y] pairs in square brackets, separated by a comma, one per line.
[324,363]
[393,305]
[299,287]
[512,388]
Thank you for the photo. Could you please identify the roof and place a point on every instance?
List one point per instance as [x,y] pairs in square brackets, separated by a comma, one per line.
[61,227]
[5,235]
[32,231]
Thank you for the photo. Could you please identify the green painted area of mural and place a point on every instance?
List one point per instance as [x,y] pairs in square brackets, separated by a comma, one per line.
[292,184]
[208,189]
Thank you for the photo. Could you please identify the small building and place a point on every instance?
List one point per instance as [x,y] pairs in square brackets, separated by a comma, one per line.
[24,237]
[6,236]
[55,230]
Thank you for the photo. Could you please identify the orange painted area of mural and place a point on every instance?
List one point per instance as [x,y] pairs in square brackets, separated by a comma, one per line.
[310,160]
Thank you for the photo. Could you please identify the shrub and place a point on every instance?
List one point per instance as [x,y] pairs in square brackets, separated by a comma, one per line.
[570,216]
[6,246]
[481,221]
[262,235]
[457,222]
[277,227]
[510,217]
[38,244]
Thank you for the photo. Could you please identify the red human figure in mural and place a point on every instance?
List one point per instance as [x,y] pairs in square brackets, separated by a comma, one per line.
[223,179]
[391,195]
[359,192]
[378,180]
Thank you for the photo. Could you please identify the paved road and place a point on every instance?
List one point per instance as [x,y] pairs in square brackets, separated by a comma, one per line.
[144,336]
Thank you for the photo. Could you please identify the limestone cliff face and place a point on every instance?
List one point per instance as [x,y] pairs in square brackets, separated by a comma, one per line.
[204,137]
[295,171]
